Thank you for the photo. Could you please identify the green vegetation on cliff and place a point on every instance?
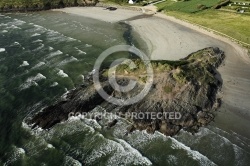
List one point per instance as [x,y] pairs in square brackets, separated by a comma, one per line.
[197,66]
[23,5]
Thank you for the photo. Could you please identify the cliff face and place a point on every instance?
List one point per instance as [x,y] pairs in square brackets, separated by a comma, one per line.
[188,87]
[36,5]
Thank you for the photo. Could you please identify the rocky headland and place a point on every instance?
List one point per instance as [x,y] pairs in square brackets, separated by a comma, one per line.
[188,86]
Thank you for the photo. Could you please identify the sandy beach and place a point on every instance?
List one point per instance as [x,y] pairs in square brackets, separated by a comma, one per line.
[171,39]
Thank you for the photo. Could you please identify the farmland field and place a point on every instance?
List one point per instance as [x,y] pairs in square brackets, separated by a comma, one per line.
[232,24]
[191,6]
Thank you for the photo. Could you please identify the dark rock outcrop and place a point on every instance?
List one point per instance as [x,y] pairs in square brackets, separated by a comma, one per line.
[111,124]
[184,93]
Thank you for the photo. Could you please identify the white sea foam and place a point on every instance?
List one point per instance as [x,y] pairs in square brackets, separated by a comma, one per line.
[68,60]
[3,25]
[54,84]
[203,160]
[241,156]
[71,126]
[32,81]
[25,125]
[64,96]
[18,152]
[136,156]
[25,63]
[88,45]
[172,159]
[21,150]
[71,39]
[15,44]
[50,146]
[62,74]
[37,130]
[122,154]
[70,161]
[83,78]
[37,41]
[2,49]
[37,30]
[51,48]
[38,26]
[36,34]
[27,85]
[80,51]
[92,123]
[57,39]
[39,48]
[18,22]
[52,33]
[38,65]
[4,31]
[55,36]
[13,27]
[53,54]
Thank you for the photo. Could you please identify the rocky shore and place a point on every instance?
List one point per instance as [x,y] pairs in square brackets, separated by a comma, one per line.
[188,87]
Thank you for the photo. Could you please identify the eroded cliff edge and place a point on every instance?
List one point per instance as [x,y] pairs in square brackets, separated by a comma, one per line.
[188,86]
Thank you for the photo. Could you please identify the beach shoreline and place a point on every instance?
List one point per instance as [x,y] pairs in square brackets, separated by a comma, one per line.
[168,38]
[124,14]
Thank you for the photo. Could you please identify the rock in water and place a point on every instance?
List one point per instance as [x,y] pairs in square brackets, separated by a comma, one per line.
[184,93]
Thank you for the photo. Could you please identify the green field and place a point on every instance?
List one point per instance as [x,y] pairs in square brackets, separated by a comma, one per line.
[232,24]
[190,6]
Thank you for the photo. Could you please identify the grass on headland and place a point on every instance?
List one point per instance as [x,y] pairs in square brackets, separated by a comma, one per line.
[197,66]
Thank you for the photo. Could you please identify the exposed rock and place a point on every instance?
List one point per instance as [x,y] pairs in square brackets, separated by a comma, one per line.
[111,124]
[187,103]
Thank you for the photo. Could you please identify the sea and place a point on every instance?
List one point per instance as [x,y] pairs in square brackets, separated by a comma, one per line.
[43,55]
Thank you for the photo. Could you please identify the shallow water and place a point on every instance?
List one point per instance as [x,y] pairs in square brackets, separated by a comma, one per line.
[45,54]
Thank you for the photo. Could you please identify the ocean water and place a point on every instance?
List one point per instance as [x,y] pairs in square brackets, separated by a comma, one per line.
[45,54]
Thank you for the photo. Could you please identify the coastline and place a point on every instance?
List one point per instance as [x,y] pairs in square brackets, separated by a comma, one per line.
[48,58]
[171,39]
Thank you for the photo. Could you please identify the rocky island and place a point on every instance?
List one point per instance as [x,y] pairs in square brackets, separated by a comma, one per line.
[188,86]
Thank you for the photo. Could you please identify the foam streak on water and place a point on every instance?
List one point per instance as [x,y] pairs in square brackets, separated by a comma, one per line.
[32,81]
[203,160]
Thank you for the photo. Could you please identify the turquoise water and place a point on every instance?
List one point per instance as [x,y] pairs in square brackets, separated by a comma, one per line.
[45,54]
